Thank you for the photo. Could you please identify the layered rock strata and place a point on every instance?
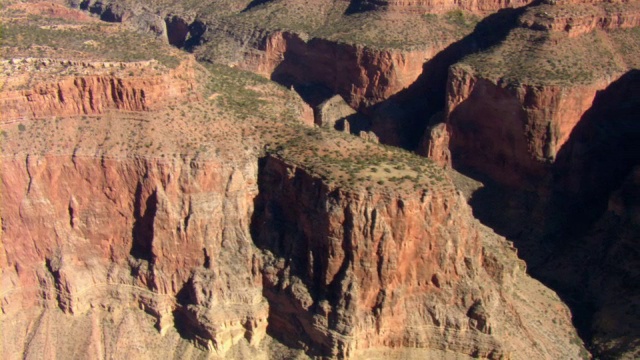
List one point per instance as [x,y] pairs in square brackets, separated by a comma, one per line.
[343,272]
[363,270]
[363,76]
[165,236]
[221,246]
[93,94]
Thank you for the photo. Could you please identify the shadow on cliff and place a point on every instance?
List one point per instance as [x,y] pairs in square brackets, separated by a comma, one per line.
[142,232]
[255,3]
[402,119]
[294,239]
[550,226]
[599,154]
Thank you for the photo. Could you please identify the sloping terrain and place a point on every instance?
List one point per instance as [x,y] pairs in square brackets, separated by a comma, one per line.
[145,185]
[159,206]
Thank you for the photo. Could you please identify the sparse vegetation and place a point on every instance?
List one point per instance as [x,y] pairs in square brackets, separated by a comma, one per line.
[41,37]
[535,57]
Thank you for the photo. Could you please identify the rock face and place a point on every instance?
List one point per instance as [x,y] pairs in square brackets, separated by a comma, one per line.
[331,111]
[363,76]
[435,145]
[239,246]
[349,272]
[343,273]
[576,18]
[166,236]
[94,94]
[570,145]
[512,131]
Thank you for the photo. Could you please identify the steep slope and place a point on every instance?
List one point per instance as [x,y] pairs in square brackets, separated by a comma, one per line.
[227,223]
[528,93]
[518,109]
[552,112]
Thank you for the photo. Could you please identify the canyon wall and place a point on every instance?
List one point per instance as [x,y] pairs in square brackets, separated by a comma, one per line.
[357,271]
[92,94]
[340,273]
[231,251]
[512,131]
[577,18]
[362,75]
[164,236]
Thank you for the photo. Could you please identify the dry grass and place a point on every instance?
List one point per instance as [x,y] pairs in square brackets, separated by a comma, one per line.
[534,55]
[32,35]
[539,58]
[327,19]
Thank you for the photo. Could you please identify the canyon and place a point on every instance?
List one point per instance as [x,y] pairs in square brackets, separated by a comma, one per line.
[162,205]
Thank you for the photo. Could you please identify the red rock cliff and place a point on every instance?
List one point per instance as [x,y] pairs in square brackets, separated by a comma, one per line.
[346,273]
[93,94]
[358,271]
[512,131]
[363,76]
[80,232]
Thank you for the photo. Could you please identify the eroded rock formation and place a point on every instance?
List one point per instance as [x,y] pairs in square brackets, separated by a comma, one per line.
[235,248]
[93,93]
[165,236]
[509,130]
[344,273]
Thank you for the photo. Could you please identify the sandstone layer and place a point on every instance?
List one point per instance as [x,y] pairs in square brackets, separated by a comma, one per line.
[172,237]
[562,131]
[221,247]
[512,131]
[101,227]
[95,93]
[509,119]
[354,269]
[362,76]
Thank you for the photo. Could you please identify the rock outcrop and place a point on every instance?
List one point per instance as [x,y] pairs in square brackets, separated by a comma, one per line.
[165,236]
[362,75]
[331,111]
[579,19]
[435,145]
[342,273]
[512,131]
[93,94]
[356,271]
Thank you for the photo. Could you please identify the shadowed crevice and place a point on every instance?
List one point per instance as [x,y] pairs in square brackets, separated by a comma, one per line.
[142,232]
[565,230]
